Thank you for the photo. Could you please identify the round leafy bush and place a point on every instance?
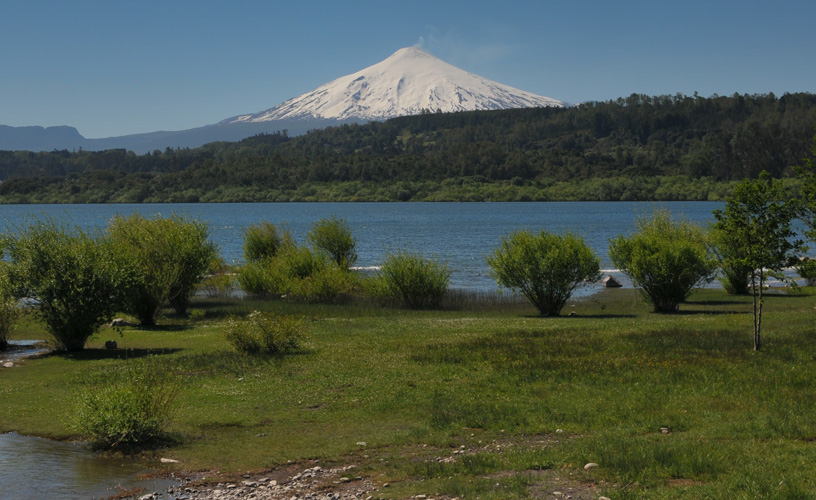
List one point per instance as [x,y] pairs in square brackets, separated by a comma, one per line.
[546,268]
[76,279]
[414,280]
[264,240]
[171,255]
[334,237]
[665,259]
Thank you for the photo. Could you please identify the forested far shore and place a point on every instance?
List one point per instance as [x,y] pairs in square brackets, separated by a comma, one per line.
[635,148]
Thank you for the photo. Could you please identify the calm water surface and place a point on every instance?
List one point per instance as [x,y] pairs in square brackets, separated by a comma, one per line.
[36,468]
[458,233]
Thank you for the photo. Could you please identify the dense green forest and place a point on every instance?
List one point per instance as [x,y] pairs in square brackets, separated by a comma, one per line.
[634,148]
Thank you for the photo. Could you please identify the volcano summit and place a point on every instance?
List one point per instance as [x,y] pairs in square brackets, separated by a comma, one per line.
[406,83]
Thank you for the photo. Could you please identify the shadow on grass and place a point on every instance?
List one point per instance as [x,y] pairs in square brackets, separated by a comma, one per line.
[732,302]
[578,316]
[164,328]
[98,354]
[703,312]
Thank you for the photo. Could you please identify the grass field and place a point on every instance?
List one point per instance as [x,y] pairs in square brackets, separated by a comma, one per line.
[668,406]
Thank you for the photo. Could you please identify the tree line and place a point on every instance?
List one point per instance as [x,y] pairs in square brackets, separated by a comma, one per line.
[509,154]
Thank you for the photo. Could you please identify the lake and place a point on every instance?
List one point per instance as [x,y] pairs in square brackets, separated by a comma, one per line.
[460,234]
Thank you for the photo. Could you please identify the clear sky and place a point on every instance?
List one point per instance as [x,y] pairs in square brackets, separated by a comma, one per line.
[120,67]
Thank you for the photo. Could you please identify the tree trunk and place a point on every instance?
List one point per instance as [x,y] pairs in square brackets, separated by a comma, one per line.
[758,312]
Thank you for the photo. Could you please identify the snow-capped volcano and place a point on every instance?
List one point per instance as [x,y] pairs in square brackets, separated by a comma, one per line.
[406,83]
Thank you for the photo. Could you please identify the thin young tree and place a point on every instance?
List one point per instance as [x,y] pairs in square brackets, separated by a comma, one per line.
[757,220]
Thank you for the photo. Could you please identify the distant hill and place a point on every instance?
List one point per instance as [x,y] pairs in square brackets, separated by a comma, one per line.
[635,148]
[68,138]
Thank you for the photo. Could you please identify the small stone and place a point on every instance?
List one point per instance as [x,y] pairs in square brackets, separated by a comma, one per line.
[386,485]
[149,496]
[572,314]
[559,431]
[590,466]
[361,443]
[169,461]
[604,498]
[261,435]
[250,484]
[273,483]
[231,486]
[345,479]
[557,493]
[665,430]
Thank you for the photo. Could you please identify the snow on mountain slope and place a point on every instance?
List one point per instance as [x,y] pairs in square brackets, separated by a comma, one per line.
[409,81]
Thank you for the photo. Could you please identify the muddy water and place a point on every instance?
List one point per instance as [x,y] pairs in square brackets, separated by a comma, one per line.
[35,468]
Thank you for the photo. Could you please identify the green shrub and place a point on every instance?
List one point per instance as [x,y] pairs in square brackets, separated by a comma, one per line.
[128,412]
[296,273]
[76,279]
[171,255]
[665,259]
[299,262]
[806,268]
[415,281]
[334,237]
[735,276]
[268,333]
[324,285]
[9,308]
[546,268]
[254,278]
[264,240]
[220,281]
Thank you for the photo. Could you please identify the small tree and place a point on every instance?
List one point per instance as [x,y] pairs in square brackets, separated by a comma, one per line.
[9,309]
[416,281]
[264,240]
[334,237]
[170,254]
[757,221]
[665,259]
[546,268]
[75,279]
[807,267]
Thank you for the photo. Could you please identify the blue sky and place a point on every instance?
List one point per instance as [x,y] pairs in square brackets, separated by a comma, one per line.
[120,67]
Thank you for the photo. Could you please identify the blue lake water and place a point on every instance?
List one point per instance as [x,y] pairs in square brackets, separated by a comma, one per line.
[460,234]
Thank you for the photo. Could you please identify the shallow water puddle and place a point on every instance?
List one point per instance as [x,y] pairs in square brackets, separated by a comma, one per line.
[32,467]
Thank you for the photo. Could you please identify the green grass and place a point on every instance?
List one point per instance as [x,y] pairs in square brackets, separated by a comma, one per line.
[495,378]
